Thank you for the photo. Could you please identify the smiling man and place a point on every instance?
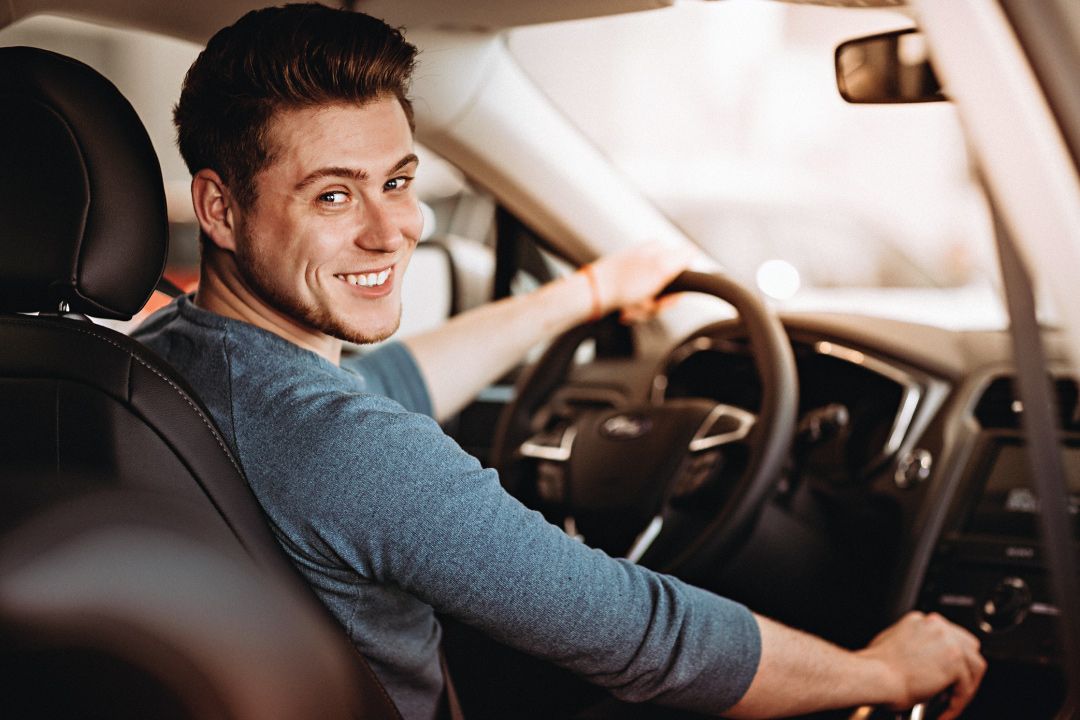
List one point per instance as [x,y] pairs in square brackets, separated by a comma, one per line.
[297,129]
[323,258]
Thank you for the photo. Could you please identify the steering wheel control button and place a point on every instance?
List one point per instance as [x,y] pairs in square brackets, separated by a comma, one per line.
[695,472]
[551,482]
[1006,606]
[913,468]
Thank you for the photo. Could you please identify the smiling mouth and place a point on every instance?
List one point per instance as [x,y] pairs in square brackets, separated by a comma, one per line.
[371,279]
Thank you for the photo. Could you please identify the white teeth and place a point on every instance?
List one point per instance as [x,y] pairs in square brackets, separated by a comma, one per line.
[368,280]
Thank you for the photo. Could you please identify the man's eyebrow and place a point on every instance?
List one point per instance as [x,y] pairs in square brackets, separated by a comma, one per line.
[336,172]
[405,161]
[351,173]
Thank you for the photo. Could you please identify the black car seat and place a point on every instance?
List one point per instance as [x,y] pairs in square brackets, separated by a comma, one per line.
[83,232]
[128,604]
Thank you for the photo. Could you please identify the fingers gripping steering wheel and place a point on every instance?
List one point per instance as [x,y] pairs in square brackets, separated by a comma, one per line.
[654,482]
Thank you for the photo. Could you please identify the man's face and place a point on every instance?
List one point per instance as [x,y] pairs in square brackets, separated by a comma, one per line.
[326,243]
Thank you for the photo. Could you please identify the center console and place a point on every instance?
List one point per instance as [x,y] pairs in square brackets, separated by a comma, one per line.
[988,574]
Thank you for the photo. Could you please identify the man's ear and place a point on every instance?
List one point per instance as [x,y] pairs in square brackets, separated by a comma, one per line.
[215,208]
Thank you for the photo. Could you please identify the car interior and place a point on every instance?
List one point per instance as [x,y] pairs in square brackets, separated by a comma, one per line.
[832,469]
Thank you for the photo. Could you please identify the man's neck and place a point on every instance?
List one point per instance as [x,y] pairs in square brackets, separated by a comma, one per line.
[225,293]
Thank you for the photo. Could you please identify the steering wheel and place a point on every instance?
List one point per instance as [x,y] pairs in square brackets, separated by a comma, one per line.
[676,485]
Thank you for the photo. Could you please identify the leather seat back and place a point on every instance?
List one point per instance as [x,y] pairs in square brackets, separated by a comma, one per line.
[83,231]
[128,604]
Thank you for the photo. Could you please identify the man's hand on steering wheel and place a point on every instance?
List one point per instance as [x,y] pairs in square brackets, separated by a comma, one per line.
[631,279]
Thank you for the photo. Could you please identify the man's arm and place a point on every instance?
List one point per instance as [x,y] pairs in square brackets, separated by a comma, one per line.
[475,348]
[909,662]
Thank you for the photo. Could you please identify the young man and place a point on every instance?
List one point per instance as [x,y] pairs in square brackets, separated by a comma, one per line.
[298,132]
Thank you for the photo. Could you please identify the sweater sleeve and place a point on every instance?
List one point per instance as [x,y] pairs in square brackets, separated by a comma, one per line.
[392,371]
[404,505]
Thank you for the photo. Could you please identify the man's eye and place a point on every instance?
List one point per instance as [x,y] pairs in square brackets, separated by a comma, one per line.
[398,183]
[336,197]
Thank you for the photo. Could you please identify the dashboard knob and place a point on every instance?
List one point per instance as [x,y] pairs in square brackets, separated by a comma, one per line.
[1006,606]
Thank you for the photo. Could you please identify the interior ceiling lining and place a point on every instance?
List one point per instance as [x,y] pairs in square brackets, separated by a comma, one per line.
[850,3]
[495,14]
[197,20]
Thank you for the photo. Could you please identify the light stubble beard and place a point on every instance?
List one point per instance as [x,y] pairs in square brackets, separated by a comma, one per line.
[254,272]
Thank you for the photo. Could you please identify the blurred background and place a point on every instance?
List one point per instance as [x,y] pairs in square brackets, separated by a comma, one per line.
[725,115]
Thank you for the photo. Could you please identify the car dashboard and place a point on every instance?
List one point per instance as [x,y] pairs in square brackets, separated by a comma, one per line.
[906,487]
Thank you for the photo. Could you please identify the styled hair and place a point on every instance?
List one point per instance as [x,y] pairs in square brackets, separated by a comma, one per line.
[282,58]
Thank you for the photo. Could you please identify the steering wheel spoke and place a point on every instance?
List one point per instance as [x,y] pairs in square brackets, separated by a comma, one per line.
[553,445]
[725,424]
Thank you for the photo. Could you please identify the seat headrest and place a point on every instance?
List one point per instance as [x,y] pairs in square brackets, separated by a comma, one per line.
[82,203]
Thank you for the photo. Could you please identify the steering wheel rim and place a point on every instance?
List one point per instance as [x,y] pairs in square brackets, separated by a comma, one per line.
[769,441]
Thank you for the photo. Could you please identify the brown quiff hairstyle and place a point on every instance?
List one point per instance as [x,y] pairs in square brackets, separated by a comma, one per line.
[287,57]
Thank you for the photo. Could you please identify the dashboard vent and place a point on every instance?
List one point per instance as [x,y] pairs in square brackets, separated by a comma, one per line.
[999,406]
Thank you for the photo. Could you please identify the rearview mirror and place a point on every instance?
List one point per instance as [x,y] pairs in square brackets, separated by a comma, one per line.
[892,67]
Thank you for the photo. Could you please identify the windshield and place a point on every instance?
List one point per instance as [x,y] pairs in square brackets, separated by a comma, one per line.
[726,116]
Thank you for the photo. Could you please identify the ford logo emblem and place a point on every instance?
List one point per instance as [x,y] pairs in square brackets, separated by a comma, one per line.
[625,427]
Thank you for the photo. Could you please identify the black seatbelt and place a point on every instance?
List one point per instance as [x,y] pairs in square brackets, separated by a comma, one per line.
[168,287]
[1039,421]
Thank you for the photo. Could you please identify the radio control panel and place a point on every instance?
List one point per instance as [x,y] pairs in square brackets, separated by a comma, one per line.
[998,590]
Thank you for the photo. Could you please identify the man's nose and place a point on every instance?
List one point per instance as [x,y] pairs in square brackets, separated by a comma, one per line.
[379,230]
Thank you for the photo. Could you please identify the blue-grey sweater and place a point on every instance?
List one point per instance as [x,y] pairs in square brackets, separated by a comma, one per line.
[389,520]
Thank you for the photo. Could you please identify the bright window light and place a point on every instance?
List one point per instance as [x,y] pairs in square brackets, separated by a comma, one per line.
[778,279]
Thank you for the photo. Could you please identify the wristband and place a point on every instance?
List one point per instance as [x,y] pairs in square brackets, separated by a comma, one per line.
[594,288]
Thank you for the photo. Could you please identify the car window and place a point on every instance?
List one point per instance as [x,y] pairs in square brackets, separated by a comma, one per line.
[726,115]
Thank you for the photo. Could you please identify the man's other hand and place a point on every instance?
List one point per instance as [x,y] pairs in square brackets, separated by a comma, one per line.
[926,654]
